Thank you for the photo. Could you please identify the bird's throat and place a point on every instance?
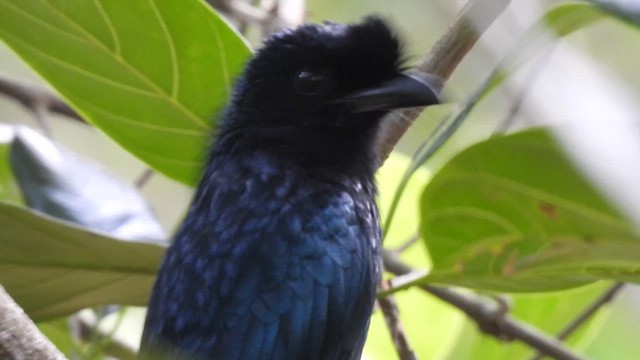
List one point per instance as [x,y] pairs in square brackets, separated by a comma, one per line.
[343,150]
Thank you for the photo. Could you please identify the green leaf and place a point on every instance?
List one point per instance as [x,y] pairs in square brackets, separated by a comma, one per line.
[513,214]
[58,331]
[52,268]
[151,74]
[567,18]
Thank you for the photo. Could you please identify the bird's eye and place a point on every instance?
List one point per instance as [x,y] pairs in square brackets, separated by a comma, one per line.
[313,82]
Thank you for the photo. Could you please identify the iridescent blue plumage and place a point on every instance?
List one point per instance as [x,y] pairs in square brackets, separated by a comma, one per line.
[278,256]
[266,264]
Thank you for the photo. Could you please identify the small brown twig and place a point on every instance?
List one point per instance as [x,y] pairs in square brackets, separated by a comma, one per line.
[407,244]
[587,314]
[391,313]
[490,317]
[33,97]
[41,113]
[604,299]
[144,178]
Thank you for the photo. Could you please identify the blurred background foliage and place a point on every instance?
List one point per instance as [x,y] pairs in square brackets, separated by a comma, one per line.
[436,330]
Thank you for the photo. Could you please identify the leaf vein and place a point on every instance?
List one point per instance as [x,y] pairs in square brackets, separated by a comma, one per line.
[136,72]
[112,30]
[172,50]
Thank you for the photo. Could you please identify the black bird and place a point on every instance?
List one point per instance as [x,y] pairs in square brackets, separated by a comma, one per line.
[279,254]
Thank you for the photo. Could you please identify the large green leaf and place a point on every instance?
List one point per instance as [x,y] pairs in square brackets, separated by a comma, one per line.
[513,214]
[151,74]
[52,268]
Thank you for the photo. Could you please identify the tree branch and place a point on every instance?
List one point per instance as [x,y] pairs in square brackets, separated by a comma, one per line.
[287,13]
[35,97]
[391,313]
[20,338]
[491,318]
[591,310]
[604,299]
[442,60]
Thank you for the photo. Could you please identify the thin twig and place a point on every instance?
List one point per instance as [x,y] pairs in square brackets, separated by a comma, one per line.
[20,338]
[587,314]
[406,245]
[605,298]
[442,60]
[89,331]
[41,113]
[391,313]
[30,95]
[489,316]
[144,178]
[527,83]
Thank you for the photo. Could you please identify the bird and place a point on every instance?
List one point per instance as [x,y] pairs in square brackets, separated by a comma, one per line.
[279,254]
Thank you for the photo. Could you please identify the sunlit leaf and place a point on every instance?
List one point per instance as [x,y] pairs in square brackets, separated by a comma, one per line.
[151,74]
[58,332]
[513,214]
[52,268]
[569,17]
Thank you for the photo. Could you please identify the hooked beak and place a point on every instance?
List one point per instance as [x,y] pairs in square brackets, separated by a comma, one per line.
[403,91]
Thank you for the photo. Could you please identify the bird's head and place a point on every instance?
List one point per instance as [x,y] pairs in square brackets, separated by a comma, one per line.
[326,79]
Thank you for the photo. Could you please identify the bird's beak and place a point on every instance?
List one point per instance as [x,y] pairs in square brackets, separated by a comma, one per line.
[403,91]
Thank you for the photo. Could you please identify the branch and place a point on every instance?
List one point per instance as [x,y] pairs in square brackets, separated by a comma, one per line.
[35,98]
[591,310]
[391,313]
[442,60]
[286,13]
[605,298]
[100,337]
[491,318]
[20,338]
[407,244]
[144,178]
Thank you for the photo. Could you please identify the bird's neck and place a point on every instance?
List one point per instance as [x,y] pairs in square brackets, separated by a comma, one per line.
[345,151]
